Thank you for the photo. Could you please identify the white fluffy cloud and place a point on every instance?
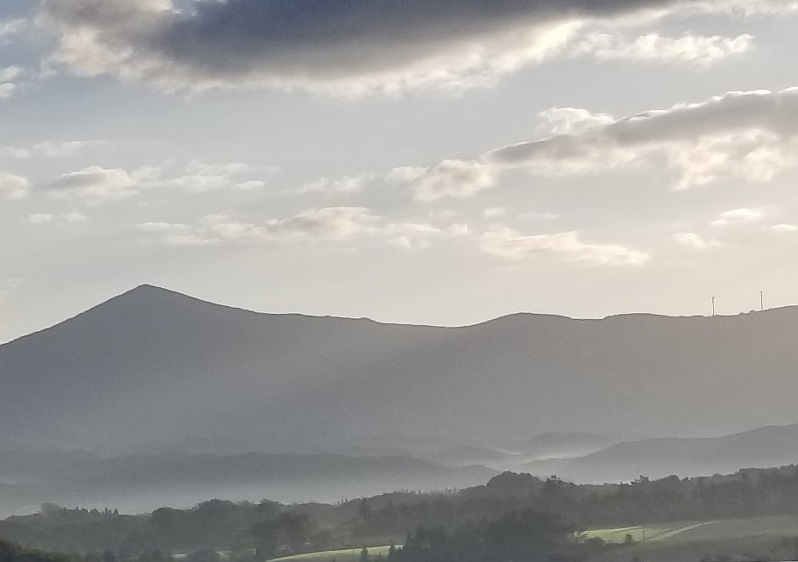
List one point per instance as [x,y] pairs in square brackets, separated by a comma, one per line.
[690,49]
[95,184]
[10,79]
[450,178]
[746,135]
[13,186]
[738,217]
[356,46]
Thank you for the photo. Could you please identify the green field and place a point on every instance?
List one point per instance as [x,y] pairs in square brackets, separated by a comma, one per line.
[346,555]
[698,531]
[691,540]
[647,533]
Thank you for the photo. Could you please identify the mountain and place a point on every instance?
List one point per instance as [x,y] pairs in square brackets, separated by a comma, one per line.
[137,483]
[656,458]
[570,444]
[153,370]
[466,455]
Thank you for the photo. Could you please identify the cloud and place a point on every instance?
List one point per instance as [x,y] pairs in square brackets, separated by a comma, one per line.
[694,241]
[450,178]
[10,80]
[358,224]
[11,73]
[48,218]
[494,212]
[738,217]
[95,184]
[783,228]
[330,224]
[49,149]
[347,184]
[8,286]
[200,177]
[12,28]
[13,186]
[509,244]
[747,135]
[418,236]
[565,120]
[162,227]
[739,133]
[344,46]
[694,50]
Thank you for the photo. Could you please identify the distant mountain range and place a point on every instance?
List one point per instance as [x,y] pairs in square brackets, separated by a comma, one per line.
[154,368]
[656,458]
[153,374]
[137,483]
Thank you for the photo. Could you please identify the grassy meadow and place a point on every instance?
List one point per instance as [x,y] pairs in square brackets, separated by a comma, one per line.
[345,555]
[693,540]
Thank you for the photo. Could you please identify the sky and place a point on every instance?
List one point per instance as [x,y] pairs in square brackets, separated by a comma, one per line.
[423,161]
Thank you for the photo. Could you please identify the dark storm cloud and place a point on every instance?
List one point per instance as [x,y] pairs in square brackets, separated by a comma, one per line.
[367,33]
[389,44]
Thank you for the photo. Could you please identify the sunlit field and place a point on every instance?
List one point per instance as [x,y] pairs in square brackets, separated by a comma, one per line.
[344,555]
[693,531]
[693,540]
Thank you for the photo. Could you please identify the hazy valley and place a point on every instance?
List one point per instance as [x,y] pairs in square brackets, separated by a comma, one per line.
[156,398]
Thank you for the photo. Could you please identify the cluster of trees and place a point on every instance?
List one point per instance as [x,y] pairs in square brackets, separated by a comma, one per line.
[10,552]
[527,535]
[289,533]
[747,493]
[270,529]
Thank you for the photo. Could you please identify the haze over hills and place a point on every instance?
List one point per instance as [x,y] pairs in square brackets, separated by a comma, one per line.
[154,368]
[699,456]
[137,483]
[153,376]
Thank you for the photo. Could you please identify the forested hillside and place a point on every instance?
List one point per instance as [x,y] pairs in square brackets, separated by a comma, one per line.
[271,528]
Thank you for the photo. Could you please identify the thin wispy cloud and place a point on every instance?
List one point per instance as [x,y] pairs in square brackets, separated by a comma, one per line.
[695,241]
[509,244]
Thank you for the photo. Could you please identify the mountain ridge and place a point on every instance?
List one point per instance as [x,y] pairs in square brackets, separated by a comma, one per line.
[206,370]
[150,289]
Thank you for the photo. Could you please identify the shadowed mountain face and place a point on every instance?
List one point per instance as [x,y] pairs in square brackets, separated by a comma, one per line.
[157,370]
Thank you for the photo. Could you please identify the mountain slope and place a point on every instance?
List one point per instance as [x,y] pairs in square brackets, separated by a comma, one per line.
[153,368]
[136,483]
[657,458]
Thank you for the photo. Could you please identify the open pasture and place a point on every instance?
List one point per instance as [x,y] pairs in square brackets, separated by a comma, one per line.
[344,555]
[700,531]
[748,539]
